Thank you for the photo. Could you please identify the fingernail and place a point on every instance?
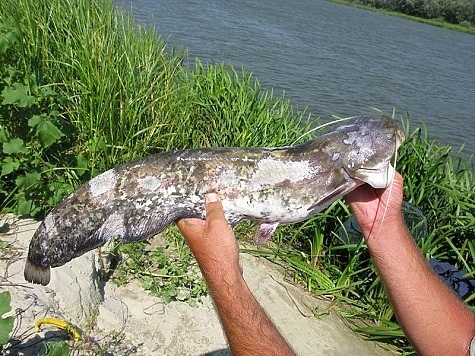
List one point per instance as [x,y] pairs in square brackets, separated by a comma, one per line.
[212,197]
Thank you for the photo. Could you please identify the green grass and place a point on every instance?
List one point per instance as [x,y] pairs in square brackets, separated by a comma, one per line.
[82,89]
[167,270]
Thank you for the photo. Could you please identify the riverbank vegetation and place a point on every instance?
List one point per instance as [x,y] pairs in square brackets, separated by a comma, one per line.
[82,89]
[457,15]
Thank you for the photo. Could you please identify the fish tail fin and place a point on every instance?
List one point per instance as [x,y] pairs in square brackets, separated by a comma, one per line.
[36,274]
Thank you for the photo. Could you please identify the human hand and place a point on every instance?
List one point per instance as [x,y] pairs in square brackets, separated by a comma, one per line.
[213,243]
[373,206]
[248,329]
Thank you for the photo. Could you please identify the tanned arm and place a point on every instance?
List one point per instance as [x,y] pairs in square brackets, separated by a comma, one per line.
[433,318]
[247,327]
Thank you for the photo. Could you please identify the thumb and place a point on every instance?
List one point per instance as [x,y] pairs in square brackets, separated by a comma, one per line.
[214,207]
[191,228]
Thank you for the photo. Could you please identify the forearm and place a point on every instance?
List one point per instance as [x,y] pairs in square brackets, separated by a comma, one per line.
[248,329]
[434,320]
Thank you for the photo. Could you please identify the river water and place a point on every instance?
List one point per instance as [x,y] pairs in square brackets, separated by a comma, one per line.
[332,59]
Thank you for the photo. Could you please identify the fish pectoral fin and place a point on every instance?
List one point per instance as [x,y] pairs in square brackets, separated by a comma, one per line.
[265,232]
[334,195]
[337,193]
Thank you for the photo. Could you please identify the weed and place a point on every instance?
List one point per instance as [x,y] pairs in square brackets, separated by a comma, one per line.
[56,348]
[168,271]
[34,140]
[6,324]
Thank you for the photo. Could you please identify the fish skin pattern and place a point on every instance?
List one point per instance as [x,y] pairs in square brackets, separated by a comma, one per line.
[271,186]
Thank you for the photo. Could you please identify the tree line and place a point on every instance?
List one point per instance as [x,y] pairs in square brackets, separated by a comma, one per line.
[461,12]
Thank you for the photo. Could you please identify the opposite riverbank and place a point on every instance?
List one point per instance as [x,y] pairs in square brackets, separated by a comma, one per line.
[432,22]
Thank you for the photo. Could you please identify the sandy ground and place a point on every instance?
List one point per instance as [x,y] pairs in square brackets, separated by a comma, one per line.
[125,320]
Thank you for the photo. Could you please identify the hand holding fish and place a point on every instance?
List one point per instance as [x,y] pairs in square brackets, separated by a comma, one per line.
[213,243]
[215,248]
[375,208]
[424,306]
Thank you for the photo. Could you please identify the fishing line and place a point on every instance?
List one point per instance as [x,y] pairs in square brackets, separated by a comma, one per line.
[389,194]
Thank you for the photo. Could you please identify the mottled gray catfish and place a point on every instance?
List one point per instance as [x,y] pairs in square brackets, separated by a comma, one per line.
[272,186]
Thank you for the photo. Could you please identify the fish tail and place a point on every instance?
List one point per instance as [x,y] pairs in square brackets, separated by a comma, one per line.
[36,274]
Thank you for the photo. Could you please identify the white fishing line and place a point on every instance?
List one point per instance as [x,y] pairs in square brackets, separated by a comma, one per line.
[390,192]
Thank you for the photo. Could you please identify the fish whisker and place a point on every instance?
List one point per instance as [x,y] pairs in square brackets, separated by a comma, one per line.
[318,128]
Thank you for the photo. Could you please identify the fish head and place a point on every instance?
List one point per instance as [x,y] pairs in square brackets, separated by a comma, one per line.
[370,143]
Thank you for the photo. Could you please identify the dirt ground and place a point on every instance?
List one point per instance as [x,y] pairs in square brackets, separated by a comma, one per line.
[124,320]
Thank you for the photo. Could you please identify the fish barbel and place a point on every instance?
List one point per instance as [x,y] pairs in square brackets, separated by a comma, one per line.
[272,186]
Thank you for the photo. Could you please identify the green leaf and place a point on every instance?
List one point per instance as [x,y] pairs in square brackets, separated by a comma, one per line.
[15,145]
[59,190]
[81,164]
[57,348]
[17,94]
[9,165]
[46,92]
[27,181]
[7,40]
[24,206]
[3,134]
[6,324]
[46,131]
[5,300]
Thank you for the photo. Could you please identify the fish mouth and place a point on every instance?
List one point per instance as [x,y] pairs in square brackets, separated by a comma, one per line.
[377,178]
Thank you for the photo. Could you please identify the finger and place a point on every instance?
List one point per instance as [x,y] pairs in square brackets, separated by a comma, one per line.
[398,179]
[190,227]
[214,208]
[215,220]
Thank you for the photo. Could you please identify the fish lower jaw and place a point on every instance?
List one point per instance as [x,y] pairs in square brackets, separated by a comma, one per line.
[376,178]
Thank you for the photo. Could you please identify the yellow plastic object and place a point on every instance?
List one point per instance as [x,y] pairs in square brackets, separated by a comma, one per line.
[70,328]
